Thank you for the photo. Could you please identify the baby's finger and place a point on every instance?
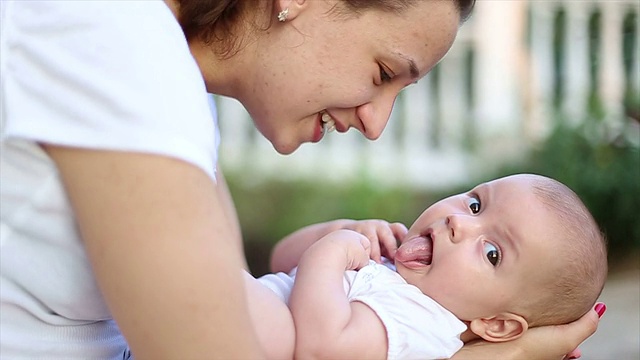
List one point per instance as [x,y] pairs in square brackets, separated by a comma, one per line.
[366,244]
[364,258]
[388,242]
[390,238]
[371,234]
[399,230]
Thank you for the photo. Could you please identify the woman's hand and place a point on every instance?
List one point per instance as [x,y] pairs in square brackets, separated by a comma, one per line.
[545,342]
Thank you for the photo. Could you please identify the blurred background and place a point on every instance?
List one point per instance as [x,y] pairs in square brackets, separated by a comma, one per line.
[549,87]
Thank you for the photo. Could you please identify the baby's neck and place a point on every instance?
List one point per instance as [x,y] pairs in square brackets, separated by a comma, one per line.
[468,335]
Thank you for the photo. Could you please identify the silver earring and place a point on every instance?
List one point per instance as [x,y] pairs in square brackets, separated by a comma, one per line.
[282,15]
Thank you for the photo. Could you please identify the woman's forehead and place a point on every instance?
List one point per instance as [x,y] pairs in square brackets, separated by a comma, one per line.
[420,35]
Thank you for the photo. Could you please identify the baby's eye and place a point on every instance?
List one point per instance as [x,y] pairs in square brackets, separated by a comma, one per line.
[492,253]
[474,205]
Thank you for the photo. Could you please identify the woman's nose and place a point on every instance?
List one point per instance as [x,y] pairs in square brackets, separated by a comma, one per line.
[375,115]
[460,226]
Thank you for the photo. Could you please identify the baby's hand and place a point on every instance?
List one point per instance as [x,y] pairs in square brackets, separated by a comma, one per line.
[383,235]
[355,246]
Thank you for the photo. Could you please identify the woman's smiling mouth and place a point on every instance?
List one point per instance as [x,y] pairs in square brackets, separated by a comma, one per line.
[328,124]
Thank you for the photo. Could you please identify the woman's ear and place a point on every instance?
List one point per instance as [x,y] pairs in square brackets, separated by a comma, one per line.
[502,327]
[290,8]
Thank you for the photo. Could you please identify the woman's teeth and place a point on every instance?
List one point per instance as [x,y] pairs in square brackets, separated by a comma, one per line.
[328,125]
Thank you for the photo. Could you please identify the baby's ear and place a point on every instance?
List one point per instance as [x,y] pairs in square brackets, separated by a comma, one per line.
[499,328]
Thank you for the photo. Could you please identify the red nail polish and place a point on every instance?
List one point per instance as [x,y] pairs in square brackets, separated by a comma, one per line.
[600,309]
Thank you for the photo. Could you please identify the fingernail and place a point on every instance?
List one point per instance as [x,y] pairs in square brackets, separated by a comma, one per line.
[600,309]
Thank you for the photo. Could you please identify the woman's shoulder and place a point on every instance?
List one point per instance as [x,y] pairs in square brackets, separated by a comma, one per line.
[75,31]
[116,75]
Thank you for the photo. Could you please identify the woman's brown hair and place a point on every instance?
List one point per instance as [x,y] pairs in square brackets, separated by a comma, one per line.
[215,20]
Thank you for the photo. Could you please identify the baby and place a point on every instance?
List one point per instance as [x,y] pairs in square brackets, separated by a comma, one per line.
[513,253]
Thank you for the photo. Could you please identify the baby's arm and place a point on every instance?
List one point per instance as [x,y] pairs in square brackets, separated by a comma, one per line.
[327,324]
[382,235]
[271,320]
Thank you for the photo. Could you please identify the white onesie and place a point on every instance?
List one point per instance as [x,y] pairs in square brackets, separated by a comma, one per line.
[417,326]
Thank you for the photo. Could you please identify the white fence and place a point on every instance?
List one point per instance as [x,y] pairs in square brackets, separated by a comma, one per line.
[492,97]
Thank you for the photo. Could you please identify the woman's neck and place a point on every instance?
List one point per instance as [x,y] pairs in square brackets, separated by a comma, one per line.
[222,74]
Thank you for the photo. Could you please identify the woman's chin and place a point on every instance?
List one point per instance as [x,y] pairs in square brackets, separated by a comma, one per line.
[285,148]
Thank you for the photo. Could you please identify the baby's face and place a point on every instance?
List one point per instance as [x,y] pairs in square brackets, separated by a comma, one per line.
[475,253]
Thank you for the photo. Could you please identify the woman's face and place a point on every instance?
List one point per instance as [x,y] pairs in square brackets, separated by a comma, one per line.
[348,67]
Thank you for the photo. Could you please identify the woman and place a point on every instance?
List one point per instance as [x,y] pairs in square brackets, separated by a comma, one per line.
[112,204]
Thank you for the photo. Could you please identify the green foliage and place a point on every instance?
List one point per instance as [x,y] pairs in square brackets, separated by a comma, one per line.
[606,176]
[274,209]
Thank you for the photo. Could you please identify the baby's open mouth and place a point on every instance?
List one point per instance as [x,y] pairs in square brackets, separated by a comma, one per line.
[416,252]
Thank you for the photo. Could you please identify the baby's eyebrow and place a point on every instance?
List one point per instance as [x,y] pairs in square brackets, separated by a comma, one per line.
[479,188]
[511,240]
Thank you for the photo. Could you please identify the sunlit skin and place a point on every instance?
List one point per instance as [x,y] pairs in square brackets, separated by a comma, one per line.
[317,61]
[467,230]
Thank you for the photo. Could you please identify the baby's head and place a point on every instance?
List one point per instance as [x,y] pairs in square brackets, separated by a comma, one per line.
[512,253]
[570,292]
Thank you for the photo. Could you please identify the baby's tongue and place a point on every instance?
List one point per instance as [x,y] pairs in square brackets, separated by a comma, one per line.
[417,249]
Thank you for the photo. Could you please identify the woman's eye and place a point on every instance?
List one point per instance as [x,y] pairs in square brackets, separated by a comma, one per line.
[384,75]
[492,253]
[474,205]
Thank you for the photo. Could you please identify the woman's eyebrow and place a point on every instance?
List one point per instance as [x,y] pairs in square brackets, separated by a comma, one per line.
[413,68]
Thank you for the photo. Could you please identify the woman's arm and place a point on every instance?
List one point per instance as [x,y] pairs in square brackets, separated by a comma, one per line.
[382,235]
[327,325]
[545,342]
[162,251]
[230,212]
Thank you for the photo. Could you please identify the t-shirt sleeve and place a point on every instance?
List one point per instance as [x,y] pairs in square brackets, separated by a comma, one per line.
[112,75]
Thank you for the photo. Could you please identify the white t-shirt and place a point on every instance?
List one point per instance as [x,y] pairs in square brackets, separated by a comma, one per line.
[417,326]
[114,75]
